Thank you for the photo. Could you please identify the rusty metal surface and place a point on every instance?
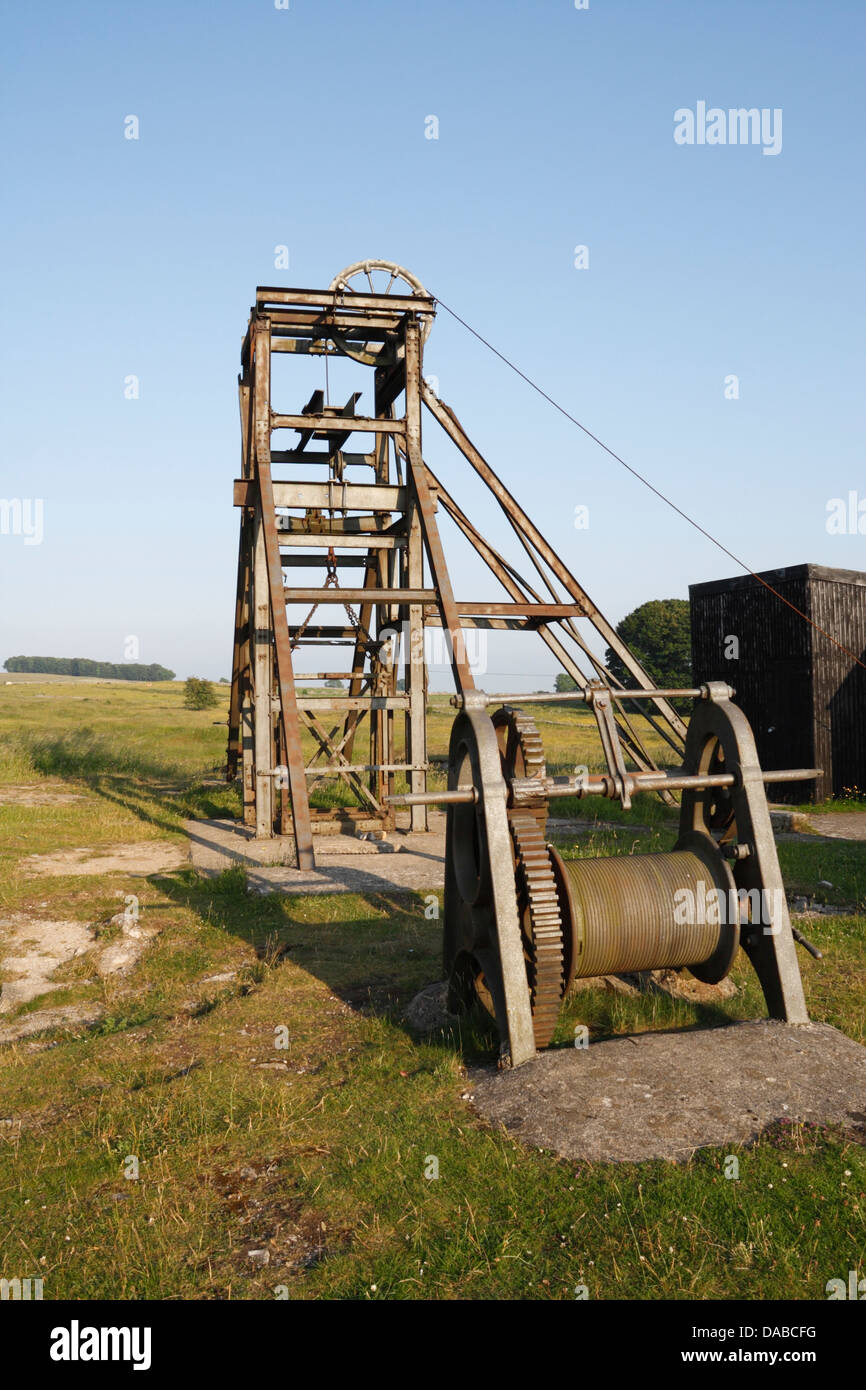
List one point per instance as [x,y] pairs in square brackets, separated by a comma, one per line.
[426,512]
[291,734]
[370,327]
[449,422]
[539,909]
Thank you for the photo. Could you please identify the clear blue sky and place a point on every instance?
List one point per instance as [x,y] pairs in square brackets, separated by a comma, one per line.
[261,127]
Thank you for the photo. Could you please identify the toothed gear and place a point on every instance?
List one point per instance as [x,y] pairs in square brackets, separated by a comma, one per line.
[541,924]
[520,743]
[522,755]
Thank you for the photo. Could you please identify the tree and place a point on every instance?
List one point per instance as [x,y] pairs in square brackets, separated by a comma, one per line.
[198,693]
[659,634]
[564,683]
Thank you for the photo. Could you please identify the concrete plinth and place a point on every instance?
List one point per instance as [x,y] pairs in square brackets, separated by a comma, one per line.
[665,1095]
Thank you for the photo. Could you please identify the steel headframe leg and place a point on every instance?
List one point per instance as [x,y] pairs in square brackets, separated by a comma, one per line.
[482,928]
[720,739]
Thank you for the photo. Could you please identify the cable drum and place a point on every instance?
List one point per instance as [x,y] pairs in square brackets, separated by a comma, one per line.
[649,912]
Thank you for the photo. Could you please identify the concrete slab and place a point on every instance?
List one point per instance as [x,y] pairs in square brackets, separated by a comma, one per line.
[64,1016]
[823,825]
[35,794]
[665,1095]
[31,949]
[841,825]
[142,858]
[400,861]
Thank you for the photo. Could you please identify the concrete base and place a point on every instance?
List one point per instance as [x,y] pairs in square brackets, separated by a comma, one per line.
[398,861]
[665,1095]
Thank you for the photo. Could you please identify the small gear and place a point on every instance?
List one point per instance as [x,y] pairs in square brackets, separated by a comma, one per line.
[522,754]
[540,923]
[520,743]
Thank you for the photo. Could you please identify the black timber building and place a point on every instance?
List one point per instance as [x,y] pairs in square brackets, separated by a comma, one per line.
[804,697]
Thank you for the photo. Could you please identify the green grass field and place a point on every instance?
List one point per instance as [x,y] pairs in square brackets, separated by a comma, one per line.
[288,1108]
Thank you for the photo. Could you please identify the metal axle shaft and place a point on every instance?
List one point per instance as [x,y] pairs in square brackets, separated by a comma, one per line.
[531,788]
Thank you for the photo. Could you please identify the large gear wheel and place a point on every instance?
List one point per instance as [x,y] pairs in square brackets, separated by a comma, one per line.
[540,923]
[472,950]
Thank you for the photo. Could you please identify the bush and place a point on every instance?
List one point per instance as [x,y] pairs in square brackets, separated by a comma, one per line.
[198,694]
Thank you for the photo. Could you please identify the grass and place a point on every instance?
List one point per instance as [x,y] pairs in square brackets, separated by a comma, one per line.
[852,799]
[841,866]
[317,1150]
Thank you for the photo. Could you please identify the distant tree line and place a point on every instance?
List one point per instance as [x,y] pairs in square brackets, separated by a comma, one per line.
[81,666]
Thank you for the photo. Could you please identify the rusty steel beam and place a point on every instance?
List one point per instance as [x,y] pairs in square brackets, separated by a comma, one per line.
[485,608]
[420,483]
[341,496]
[321,633]
[314,540]
[320,327]
[488,624]
[329,703]
[267,295]
[315,561]
[322,456]
[365,618]
[326,424]
[282,642]
[240,659]
[369,594]
[452,426]
[342,766]
[520,589]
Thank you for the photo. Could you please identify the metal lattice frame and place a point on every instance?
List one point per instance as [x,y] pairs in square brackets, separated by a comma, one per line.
[387,529]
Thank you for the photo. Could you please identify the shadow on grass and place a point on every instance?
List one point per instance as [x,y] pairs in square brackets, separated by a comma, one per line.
[374,951]
[377,951]
[158,792]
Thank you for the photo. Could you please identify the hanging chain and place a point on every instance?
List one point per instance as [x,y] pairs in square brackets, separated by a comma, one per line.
[332,581]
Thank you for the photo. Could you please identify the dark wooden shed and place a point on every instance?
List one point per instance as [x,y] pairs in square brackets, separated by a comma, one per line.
[804,697]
